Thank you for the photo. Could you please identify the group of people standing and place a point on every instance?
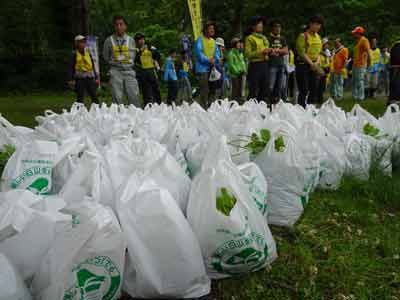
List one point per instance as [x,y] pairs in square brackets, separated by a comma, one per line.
[263,63]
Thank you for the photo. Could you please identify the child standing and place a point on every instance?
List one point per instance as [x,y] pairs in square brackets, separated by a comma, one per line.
[170,77]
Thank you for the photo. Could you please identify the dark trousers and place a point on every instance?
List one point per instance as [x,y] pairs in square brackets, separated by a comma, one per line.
[237,85]
[307,84]
[207,90]
[257,78]
[276,84]
[394,92]
[172,91]
[88,85]
[149,86]
[321,89]
[291,80]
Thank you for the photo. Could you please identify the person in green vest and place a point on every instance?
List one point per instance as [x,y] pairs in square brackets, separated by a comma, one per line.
[308,60]
[207,58]
[326,59]
[384,70]
[119,53]
[373,70]
[146,69]
[257,50]
[394,93]
[237,69]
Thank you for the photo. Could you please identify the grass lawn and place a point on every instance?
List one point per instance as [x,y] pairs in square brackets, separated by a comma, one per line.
[346,245]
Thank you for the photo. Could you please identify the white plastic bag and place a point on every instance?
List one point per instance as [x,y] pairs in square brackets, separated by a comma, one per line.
[164,256]
[12,286]
[30,167]
[215,75]
[27,218]
[86,261]
[149,159]
[233,234]
[358,155]
[290,179]
[333,162]
[257,185]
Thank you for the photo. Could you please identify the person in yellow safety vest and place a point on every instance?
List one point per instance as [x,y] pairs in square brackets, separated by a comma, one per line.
[326,58]
[119,53]
[256,50]
[384,70]
[207,58]
[82,76]
[145,66]
[308,59]
[373,70]
[290,76]
[339,71]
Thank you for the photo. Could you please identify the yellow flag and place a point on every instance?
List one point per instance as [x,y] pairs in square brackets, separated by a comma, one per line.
[195,14]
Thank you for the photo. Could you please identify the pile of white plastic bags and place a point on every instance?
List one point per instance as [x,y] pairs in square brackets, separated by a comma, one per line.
[157,202]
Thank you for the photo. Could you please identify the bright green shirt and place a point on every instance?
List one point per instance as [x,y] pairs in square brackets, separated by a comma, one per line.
[236,63]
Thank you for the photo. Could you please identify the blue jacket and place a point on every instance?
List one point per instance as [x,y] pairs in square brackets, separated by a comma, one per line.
[169,70]
[202,63]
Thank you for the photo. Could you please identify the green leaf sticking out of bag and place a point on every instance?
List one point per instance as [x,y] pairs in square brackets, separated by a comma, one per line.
[225,202]
[279,144]
[258,143]
[5,155]
[370,130]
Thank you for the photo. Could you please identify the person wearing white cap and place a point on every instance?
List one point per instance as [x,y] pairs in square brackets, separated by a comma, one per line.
[119,53]
[222,86]
[82,76]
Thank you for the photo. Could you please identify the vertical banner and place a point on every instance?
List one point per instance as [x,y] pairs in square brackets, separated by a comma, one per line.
[195,14]
[91,44]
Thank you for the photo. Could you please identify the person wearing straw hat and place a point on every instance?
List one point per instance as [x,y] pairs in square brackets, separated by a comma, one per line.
[222,86]
[361,60]
[82,76]
[326,67]
[340,58]
[119,53]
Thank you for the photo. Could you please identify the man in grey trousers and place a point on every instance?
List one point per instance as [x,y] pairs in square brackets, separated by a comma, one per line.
[119,53]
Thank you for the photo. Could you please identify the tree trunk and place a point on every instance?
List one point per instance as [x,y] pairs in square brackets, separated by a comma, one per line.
[84,5]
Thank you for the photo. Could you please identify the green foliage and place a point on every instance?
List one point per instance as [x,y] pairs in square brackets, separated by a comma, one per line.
[279,144]
[225,202]
[370,130]
[258,143]
[5,154]
[346,246]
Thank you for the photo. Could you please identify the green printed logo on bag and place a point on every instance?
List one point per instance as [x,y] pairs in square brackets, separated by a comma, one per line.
[259,197]
[95,279]
[39,175]
[246,254]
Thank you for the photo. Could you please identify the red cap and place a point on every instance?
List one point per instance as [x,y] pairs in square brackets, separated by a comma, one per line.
[359,30]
